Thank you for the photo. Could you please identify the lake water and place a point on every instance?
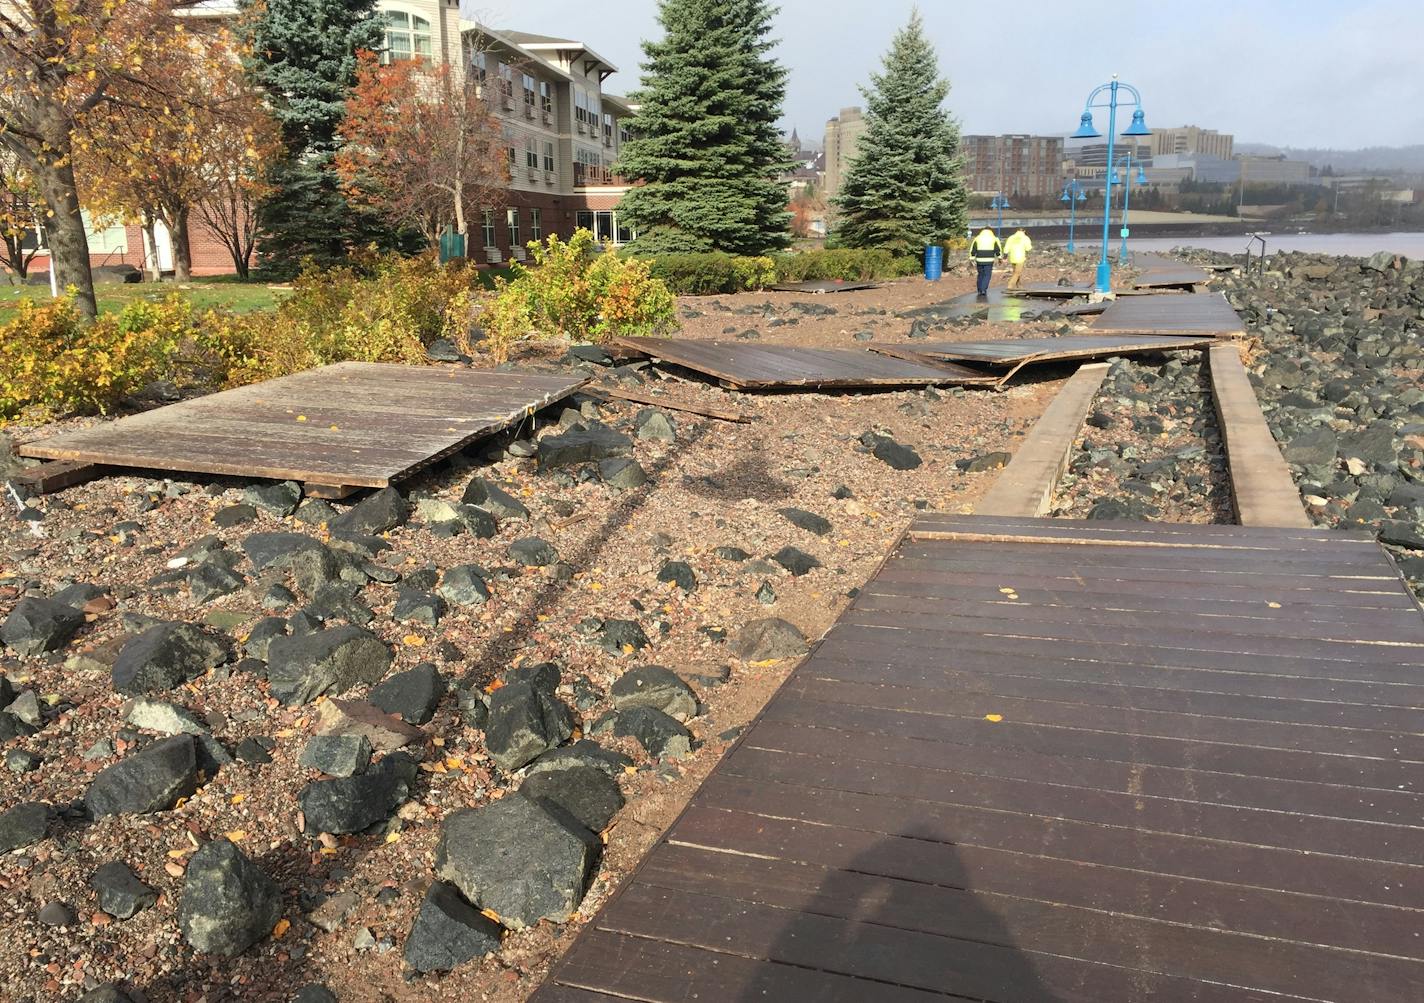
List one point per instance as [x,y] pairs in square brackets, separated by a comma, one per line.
[1359,245]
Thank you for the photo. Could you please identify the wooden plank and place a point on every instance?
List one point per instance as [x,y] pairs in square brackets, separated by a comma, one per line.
[57,475]
[1025,487]
[1017,351]
[672,404]
[344,426]
[992,526]
[1201,314]
[1263,491]
[821,286]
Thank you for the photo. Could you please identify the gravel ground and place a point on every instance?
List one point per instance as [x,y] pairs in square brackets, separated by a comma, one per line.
[719,484]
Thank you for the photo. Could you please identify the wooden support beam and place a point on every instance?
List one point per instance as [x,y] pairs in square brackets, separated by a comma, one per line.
[58,475]
[605,393]
[1026,486]
[331,492]
[1262,489]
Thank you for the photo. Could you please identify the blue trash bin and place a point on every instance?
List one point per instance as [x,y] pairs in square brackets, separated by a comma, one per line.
[934,262]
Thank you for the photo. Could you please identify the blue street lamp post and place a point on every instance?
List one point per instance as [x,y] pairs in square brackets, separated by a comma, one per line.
[1127,181]
[1072,194]
[1103,283]
[1000,203]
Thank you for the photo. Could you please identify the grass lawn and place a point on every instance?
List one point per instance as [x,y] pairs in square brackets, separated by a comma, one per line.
[219,292]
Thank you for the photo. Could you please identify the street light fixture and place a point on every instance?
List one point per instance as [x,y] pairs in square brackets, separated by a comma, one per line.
[1127,182]
[1103,283]
[1000,203]
[1072,194]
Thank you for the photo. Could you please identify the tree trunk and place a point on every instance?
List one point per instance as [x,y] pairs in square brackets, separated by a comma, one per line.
[68,243]
[177,223]
[151,263]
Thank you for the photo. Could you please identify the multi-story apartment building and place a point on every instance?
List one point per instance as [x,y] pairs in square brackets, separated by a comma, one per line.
[1014,164]
[562,130]
[842,139]
[1190,139]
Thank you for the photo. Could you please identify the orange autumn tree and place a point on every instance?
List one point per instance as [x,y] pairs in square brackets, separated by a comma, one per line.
[195,159]
[420,145]
[20,212]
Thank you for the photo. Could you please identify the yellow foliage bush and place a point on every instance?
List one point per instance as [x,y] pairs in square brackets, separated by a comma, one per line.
[53,362]
[578,291]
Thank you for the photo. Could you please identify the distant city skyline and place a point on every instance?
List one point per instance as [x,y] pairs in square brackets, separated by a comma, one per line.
[1301,73]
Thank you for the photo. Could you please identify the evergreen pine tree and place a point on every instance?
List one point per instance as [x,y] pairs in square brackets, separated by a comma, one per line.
[705,138]
[905,187]
[304,60]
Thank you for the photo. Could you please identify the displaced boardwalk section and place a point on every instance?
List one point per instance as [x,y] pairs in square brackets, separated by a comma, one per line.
[1053,760]
[1201,314]
[340,427]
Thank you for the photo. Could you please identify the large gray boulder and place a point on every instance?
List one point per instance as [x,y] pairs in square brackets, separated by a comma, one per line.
[228,903]
[165,656]
[152,779]
[300,669]
[23,825]
[378,513]
[525,861]
[38,625]
[448,931]
[769,638]
[524,721]
[654,686]
[355,803]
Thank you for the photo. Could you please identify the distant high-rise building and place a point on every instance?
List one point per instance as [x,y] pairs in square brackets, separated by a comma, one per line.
[1190,139]
[1013,164]
[842,138]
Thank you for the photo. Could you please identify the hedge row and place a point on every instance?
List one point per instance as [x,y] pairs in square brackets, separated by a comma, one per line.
[715,272]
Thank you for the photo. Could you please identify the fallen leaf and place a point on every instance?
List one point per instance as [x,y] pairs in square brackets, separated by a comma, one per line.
[1007,589]
[392,837]
[1274,605]
[239,798]
[413,641]
[301,417]
[993,718]
[236,836]
[280,930]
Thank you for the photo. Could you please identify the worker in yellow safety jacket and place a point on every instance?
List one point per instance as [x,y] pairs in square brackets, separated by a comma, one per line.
[1016,249]
[984,249]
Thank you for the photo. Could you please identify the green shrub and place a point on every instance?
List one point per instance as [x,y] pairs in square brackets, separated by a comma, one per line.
[844,263]
[578,292]
[57,363]
[709,272]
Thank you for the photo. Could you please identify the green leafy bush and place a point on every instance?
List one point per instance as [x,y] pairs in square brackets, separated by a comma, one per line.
[578,292]
[844,263]
[709,272]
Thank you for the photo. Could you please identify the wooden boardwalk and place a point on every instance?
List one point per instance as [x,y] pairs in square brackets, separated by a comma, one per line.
[1201,314]
[1048,760]
[338,428]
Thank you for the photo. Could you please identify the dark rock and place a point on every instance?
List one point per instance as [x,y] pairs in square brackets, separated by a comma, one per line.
[584,752]
[1374,445]
[898,456]
[809,521]
[589,353]
[38,625]
[355,803]
[543,676]
[1402,534]
[299,669]
[212,581]
[582,447]
[494,500]
[150,780]
[57,914]
[464,586]
[314,992]
[280,500]
[12,727]
[585,792]
[337,755]
[275,550]
[234,515]
[22,761]
[735,554]
[524,721]
[1312,448]
[988,461]
[765,594]
[379,513]
[444,350]
[769,638]
[654,686]
[385,732]
[262,634]
[798,562]
[622,473]
[107,993]
[532,552]
[1110,509]
[412,695]
[659,734]
[121,893]
[524,860]
[680,574]
[622,637]
[164,657]
[228,904]
[654,423]
[252,752]
[23,825]
[448,932]
[418,607]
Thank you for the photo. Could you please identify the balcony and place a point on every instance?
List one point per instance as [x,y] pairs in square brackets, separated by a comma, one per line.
[590,175]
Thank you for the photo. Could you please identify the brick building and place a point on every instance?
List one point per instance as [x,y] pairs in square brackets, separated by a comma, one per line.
[842,141]
[562,128]
[1014,164]
[1193,140]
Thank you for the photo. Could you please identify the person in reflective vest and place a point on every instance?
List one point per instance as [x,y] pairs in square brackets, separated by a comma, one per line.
[983,249]
[1016,249]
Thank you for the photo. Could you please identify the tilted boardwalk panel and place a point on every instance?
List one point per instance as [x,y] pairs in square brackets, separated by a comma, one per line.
[1202,314]
[346,425]
[1060,760]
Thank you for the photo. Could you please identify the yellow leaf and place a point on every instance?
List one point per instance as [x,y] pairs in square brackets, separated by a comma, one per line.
[1007,589]
[301,417]
[392,837]
[327,851]
[236,836]
[280,930]
[413,641]
[628,649]
[239,798]
[993,718]
[491,914]
[454,762]
[335,429]
[1274,605]
[595,587]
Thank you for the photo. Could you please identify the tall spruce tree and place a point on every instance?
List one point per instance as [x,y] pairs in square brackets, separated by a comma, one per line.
[303,58]
[905,186]
[706,142]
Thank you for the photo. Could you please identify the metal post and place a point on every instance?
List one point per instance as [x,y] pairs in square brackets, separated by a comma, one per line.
[1072,216]
[1126,201]
[1104,276]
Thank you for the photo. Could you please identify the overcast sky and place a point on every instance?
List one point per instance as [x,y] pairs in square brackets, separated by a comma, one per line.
[1340,73]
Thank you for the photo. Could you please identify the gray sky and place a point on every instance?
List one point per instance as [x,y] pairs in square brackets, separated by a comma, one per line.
[1341,73]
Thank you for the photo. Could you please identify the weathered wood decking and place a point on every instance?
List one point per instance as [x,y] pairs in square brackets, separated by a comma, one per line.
[1202,314]
[1046,760]
[344,426]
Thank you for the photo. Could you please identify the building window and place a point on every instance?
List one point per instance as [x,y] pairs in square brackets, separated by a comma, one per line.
[506,80]
[583,219]
[581,105]
[546,97]
[623,135]
[536,224]
[607,129]
[624,235]
[407,37]
[531,153]
[511,219]
[479,72]
[549,156]
[604,225]
[528,92]
[487,227]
